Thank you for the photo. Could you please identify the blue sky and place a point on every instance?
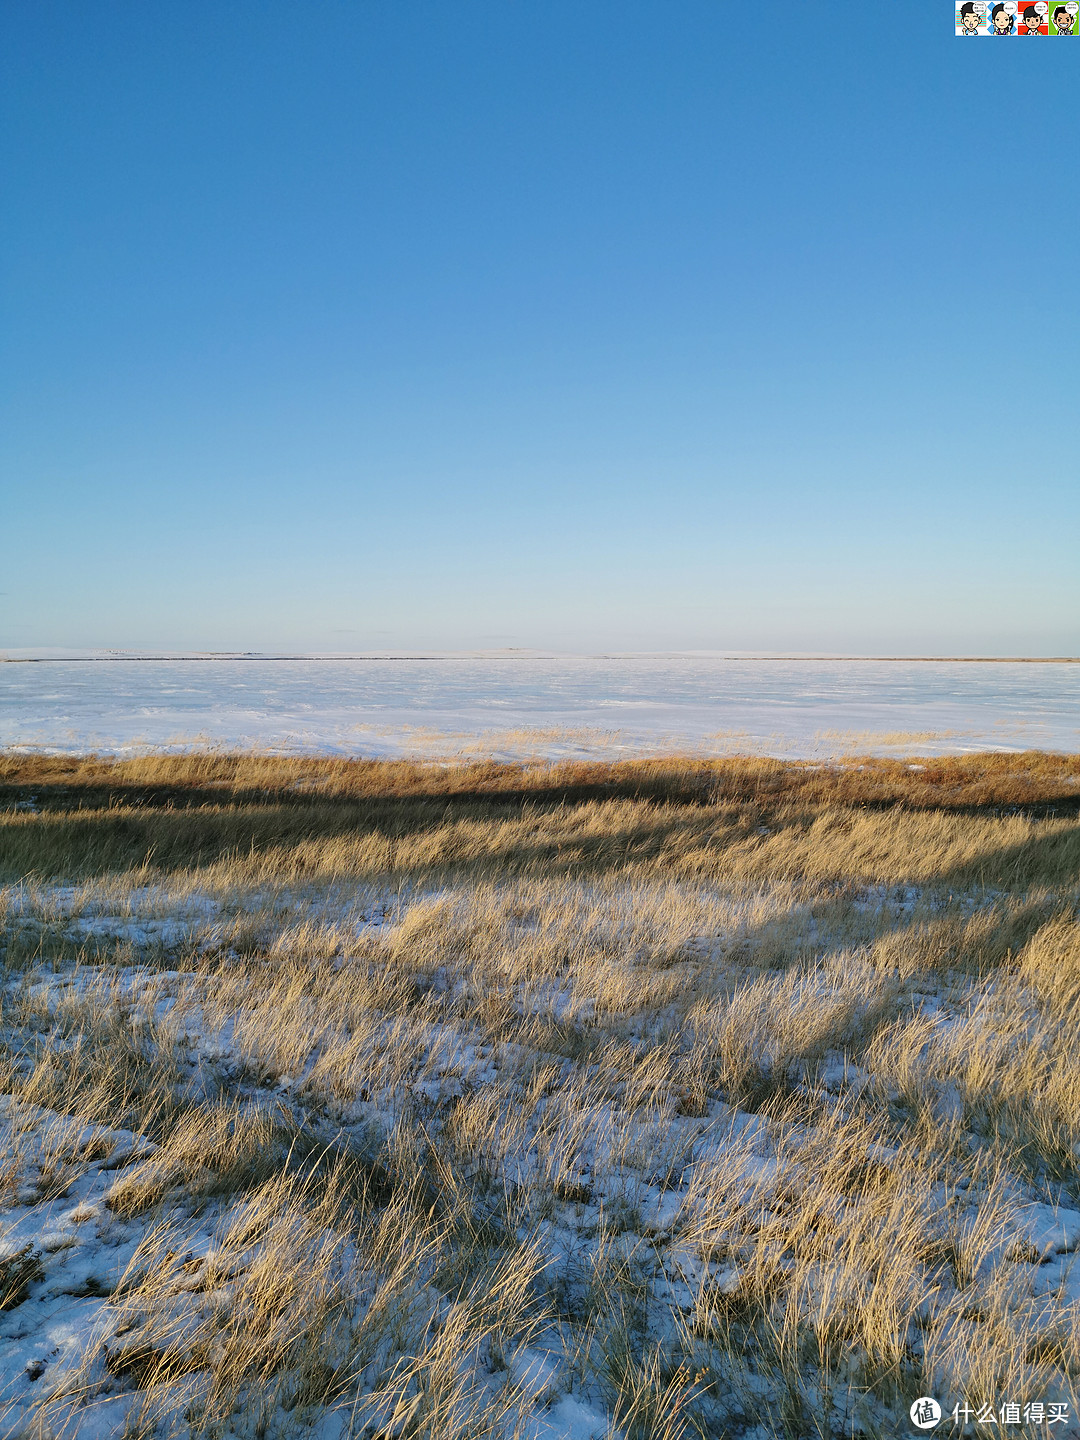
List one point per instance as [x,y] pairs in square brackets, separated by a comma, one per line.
[362,324]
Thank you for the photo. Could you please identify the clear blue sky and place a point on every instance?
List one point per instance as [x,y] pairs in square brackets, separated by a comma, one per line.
[350,324]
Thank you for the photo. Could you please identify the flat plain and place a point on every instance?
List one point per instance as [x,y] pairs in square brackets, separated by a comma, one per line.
[657,1099]
[523,707]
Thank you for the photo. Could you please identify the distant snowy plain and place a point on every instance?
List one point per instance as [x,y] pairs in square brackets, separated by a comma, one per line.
[553,707]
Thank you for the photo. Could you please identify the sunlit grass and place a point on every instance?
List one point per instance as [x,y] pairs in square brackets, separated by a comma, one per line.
[713,1095]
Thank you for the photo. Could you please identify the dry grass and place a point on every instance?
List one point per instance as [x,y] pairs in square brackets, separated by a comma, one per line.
[993,779]
[721,1097]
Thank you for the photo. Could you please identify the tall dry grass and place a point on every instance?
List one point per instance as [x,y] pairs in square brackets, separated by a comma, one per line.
[719,1097]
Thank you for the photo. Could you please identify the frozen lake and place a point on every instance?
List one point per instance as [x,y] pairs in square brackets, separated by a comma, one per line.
[516,706]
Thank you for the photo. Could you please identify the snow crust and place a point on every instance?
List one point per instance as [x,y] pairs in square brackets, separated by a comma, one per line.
[512,707]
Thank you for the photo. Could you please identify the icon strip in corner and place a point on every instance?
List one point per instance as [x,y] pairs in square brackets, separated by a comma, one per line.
[1017,17]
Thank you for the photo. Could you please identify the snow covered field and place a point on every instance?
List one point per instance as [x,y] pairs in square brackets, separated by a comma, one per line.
[513,706]
[466,1118]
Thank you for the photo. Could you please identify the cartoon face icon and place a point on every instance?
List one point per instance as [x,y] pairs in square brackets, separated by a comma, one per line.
[1032,20]
[969,19]
[1003,20]
[1062,21]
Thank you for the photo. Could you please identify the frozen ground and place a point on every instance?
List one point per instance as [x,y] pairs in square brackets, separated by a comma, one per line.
[650,1213]
[511,706]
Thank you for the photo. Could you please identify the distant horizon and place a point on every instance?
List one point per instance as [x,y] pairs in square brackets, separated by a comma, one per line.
[8,656]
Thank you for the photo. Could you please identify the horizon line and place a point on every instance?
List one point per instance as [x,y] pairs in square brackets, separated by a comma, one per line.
[516,653]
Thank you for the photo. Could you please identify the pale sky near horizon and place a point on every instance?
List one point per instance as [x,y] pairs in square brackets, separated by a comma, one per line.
[353,324]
